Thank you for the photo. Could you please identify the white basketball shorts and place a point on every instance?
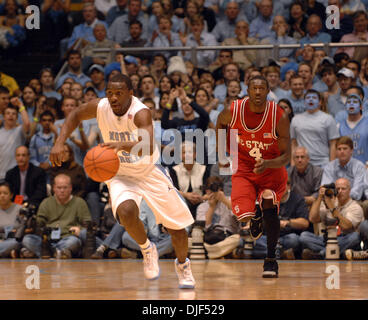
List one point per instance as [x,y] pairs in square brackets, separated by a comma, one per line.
[158,191]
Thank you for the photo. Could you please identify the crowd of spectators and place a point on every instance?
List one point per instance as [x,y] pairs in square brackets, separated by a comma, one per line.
[324,93]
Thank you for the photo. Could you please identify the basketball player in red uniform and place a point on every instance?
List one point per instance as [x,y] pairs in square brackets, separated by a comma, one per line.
[263,151]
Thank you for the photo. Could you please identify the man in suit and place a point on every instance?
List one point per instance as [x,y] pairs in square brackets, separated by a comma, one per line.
[27,180]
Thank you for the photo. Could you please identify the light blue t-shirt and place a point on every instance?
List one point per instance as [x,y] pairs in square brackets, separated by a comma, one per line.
[314,132]
[359,135]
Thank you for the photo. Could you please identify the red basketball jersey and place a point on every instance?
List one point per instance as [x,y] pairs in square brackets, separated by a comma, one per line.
[256,136]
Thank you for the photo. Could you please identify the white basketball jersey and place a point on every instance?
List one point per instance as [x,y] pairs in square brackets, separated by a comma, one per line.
[116,129]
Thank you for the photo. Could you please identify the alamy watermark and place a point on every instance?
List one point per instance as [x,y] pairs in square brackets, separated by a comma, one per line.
[333,280]
[33,280]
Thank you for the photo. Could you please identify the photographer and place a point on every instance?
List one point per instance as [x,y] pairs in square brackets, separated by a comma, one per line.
[60,217]
[333,207]
[221,233]
[8,215]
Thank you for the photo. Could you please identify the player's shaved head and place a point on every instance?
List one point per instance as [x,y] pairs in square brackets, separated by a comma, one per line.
[258,77]
[121,78]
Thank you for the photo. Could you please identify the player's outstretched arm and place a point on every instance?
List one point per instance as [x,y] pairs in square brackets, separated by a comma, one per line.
[84,112]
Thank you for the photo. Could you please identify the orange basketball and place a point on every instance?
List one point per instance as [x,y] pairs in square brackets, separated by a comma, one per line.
[101,163]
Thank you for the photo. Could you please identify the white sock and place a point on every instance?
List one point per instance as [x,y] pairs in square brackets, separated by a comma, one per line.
[145,245]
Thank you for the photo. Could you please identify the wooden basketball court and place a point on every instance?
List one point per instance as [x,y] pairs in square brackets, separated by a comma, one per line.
[216,280]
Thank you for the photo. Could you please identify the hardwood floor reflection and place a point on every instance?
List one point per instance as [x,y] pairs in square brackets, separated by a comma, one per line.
[216,280]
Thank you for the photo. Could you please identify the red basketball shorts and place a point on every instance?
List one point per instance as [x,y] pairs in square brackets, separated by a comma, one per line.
[249,187]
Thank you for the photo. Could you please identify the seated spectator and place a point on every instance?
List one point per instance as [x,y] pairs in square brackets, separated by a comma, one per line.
[337,211]
[305,178]
[345,166]
[355,126]
[119,32]
[155,233]
[189,121]
[225,28]
[288,70]
[8,214]
[12,135]
[272,74]
[42,142]
[191,10]
[56,21]
[260,28]
[285,104]
[48,85]
[28,182]
[343,114]
[356,67]
[315,130]
[84,30]
[231,72]
[233,93]
[102,58]
[76,92]
[332,95]
[221,226]
[293,216]
[158,67]
[36,85]
[97,75]
[296,94]
[74,70]
[345,79]
[189,176]
[135,40]
[314,33]
[207,13]
[225,56]
[116,11]
[29,98]
[297,21]
[199,37]
[72,169]
[65,214]
[165,37]
[79,138]
[12,27]
[279,36]
[306,72]
[341,60]
[147,89]
[244,58]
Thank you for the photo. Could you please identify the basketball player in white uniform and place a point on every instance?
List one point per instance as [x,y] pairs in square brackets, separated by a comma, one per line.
[121,117]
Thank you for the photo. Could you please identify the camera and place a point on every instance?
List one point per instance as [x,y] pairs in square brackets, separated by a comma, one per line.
[28,210]
[330,190]
[27,220]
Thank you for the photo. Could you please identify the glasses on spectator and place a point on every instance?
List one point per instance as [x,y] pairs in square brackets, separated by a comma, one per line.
[225,56]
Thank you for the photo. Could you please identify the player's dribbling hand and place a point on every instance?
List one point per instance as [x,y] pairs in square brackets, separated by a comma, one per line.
[260,166]
[117,146]
[57,155]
